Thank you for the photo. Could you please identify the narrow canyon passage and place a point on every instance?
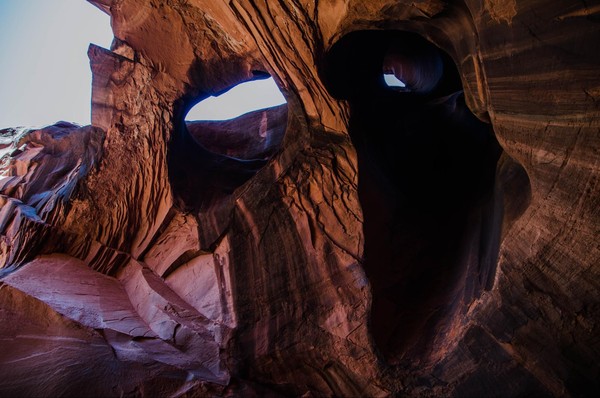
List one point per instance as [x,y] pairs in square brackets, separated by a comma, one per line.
[420,219]
[426,183]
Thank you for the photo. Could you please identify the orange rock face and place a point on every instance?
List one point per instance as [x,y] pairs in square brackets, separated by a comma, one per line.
[439,239]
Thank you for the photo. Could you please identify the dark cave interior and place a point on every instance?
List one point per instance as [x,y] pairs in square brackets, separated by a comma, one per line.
[427,167]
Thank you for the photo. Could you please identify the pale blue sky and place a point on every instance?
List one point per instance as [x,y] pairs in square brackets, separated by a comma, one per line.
[45,74]
[392,81]
[44,69]
[243,98]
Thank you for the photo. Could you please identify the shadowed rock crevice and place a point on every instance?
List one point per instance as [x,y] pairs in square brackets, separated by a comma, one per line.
[427,171]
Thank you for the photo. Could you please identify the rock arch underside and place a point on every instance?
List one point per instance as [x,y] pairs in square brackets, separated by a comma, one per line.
[436,240]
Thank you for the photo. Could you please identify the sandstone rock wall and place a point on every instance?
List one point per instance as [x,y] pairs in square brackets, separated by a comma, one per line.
[420,244]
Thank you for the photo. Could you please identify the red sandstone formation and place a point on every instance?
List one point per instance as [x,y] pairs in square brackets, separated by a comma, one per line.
[255,135]
[440,240]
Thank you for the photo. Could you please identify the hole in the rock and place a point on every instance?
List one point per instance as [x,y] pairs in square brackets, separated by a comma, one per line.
[427,167]
[238,132]
[244,98]
[392,81]
[245,122]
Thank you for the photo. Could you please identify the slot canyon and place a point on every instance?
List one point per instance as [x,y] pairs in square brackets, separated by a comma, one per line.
[438,236]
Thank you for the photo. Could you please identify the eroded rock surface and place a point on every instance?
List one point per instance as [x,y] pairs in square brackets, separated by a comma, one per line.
[255,135]
[436,240]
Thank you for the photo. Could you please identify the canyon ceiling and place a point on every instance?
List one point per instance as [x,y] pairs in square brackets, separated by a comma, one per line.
[440,239]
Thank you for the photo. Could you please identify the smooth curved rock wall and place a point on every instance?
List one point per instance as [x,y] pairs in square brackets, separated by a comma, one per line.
[248,278]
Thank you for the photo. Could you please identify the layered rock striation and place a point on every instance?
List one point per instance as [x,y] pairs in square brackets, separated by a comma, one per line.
[439,239]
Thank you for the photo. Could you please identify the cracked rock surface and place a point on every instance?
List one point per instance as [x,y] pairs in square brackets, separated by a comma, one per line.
[436,240]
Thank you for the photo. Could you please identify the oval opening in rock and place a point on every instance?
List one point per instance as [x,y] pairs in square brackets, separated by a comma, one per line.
[434,197]
[247,121]
[238,100]
[392,81]
[211,157]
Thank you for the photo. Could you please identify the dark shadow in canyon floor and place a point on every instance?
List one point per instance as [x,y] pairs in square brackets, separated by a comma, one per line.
[433,212]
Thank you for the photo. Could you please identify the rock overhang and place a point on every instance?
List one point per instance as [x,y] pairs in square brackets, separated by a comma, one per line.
[287,247]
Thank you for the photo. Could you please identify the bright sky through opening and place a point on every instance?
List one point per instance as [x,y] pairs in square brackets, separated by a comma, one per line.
[44,69]
[392,81]
[243,98]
